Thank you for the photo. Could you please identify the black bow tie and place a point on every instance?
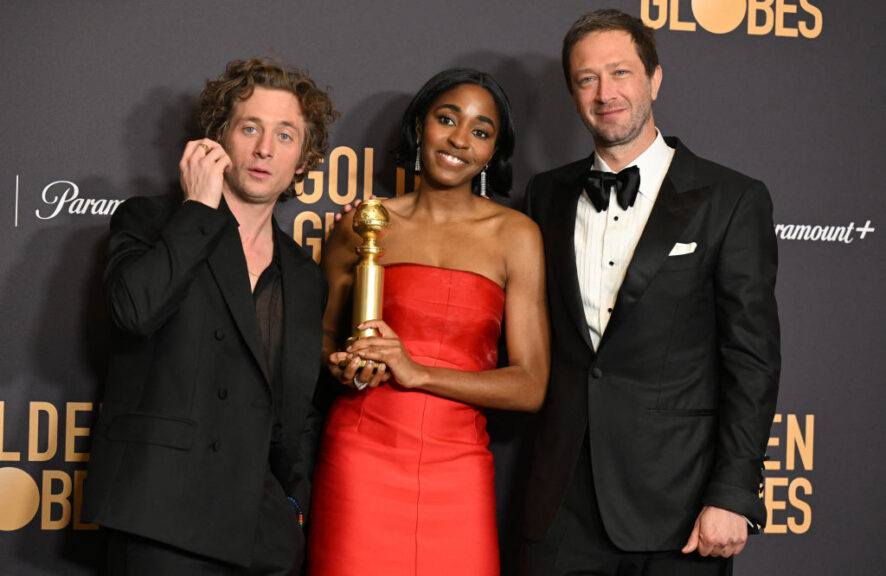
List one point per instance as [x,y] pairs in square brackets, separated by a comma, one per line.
[627,184]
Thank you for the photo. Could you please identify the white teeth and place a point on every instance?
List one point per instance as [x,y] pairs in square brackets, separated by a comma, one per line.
[452,158]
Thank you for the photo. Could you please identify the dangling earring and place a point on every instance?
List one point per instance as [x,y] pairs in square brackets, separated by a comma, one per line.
[417,157]
[483,182]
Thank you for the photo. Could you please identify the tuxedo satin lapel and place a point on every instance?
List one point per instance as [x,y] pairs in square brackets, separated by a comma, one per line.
[228,263]
[672,213]
[562,235]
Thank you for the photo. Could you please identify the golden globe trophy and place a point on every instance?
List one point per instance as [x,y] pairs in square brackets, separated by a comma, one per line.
[370,222]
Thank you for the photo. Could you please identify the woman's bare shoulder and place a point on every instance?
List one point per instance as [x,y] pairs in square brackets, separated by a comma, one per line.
[400,203]
[513,222]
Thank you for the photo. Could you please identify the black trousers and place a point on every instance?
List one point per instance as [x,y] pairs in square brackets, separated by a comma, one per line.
[576,543]
[279,547]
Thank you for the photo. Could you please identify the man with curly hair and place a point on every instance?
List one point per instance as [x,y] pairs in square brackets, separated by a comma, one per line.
[203,453]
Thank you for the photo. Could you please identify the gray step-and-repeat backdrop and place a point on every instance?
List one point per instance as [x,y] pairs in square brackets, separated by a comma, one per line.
[98,98]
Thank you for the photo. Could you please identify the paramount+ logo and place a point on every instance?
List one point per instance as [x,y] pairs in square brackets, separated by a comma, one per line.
[782,18]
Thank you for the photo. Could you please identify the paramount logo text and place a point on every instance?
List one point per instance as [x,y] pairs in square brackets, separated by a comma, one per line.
[826,233]
[65,195]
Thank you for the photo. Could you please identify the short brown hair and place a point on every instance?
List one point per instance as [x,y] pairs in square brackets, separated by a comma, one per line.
[611,19]
[219,97]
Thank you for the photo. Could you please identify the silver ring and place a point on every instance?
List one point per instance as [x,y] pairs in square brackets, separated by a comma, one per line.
[358,384]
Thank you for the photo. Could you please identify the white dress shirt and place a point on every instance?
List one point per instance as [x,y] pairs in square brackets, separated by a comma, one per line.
[605,241]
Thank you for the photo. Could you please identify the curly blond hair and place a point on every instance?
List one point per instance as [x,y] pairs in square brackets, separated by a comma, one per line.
[219,97]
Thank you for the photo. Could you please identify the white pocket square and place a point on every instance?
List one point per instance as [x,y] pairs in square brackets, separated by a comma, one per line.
[680,249]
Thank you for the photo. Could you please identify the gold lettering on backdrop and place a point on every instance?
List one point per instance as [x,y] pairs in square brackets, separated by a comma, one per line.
[313,219]
[755,7]
[773,442]
[368,160]
[59,500]
[800,441]
[350,182]
[51,499]
[19,498]
[401,181]
[72,431]
[676,24]
[782,18]
[775,18]
[790,449]
[800,505]
[661,7]
[298,232]
[316,179]
[798,518]
[774,504]
[719,16]
[314,243]
[34,453]
[312,189]
[781,29]
[342,187]
[815,30]
[4,455]
[57,495]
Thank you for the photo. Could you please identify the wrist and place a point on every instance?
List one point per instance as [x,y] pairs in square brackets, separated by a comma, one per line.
[422,377]
[192,200]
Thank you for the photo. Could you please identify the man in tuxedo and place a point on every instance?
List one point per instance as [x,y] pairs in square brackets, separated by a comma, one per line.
[665,337]
[203,453]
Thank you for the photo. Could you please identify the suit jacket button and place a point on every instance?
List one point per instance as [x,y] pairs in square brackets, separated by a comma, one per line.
[216,446]
[597,373]
[219,334]
[222,393]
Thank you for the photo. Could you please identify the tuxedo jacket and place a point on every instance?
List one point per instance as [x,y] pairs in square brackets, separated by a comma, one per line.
[679,397]
[183,442]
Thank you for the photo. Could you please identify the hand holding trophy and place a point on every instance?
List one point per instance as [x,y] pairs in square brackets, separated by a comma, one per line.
[370,222]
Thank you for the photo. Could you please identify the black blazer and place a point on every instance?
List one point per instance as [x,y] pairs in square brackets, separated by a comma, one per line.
[679,397]
[183,442]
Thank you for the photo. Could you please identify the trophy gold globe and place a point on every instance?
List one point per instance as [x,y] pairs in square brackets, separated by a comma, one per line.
[370,222]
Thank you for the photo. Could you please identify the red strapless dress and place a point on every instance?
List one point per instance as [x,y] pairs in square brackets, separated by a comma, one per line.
[404,479]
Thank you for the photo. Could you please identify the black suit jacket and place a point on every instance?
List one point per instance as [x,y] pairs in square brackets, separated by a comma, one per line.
[679,397]
[183,442]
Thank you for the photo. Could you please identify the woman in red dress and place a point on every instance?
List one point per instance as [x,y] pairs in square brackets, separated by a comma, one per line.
[404,479]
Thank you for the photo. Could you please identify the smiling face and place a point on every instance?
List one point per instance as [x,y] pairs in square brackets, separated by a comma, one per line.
[458,136]
[612,93]
[264,141]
